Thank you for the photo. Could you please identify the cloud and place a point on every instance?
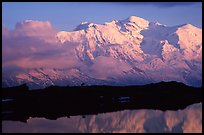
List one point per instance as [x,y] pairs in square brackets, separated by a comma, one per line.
[38,29]
[5,32]
[62,57]
[105,67]
[173,4]
[32,44]
[160,4]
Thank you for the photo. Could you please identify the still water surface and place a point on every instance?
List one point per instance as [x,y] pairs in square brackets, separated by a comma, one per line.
[133,121]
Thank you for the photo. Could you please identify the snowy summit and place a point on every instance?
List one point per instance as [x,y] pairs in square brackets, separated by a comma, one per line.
[133,51]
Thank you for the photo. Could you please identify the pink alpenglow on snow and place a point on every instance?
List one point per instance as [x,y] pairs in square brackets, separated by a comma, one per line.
[133,51]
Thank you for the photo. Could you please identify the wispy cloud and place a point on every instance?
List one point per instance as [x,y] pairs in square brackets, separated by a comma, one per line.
[160,4]
[105,67]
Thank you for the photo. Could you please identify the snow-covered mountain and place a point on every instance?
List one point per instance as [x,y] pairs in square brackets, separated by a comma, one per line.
[133,51]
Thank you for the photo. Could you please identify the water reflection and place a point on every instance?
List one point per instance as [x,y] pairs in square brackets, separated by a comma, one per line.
[7,100]
[187,120]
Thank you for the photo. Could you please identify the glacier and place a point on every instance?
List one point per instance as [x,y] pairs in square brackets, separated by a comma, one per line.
[133,51]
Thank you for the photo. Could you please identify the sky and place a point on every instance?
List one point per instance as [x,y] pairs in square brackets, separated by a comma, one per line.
[65,16]
[29,35]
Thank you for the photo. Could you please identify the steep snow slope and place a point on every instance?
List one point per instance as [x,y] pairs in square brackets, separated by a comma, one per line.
[124,52]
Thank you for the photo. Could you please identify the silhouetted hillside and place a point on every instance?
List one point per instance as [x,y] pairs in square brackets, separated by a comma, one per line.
[54,101]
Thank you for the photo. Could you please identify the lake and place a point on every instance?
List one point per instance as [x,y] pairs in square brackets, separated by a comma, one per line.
[131,121]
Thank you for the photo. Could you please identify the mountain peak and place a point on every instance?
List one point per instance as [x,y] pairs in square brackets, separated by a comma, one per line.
[84,26]
[188,26]
[123,52]
[137,20]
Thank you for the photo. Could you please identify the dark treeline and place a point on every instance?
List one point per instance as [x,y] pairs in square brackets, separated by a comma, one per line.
[54,101]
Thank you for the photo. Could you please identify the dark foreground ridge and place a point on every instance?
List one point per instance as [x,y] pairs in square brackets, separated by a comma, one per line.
[19,103]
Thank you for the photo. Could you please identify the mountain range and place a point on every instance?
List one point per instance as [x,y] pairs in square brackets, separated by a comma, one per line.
[133,51]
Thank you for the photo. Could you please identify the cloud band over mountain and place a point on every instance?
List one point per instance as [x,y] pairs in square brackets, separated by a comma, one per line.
[130,51]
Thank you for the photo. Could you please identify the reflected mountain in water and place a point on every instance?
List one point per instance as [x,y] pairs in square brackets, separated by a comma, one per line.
[188,120]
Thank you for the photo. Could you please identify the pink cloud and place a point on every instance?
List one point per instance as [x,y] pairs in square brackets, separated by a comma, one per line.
[5,31]
[32,44]
[61,57]
[105,67]
[38,29]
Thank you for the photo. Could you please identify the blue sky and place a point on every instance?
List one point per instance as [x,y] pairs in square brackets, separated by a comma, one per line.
[67,15]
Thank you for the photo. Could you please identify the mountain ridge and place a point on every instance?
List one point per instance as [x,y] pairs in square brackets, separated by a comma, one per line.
[136,51]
